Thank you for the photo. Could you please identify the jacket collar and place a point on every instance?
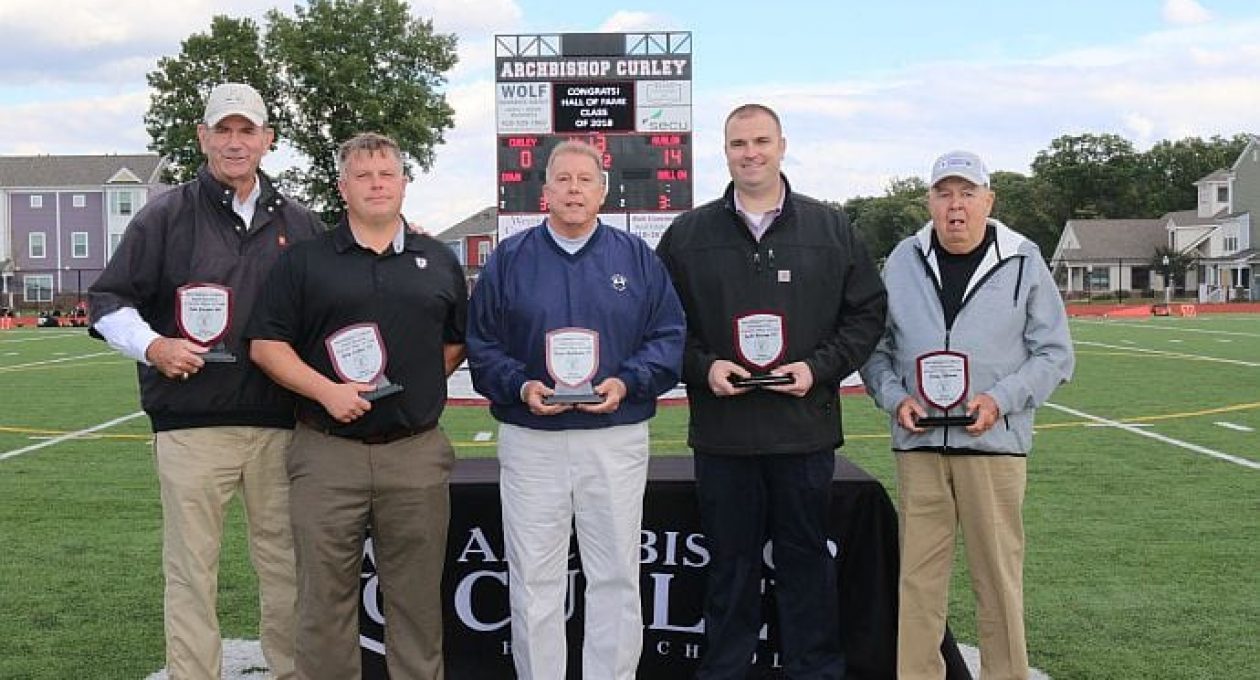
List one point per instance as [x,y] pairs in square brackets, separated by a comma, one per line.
[728,197]
[269,199]
[343,238]
[1007,243]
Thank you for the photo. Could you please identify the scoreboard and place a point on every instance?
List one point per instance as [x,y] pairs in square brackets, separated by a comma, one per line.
[646,172]
[626,94]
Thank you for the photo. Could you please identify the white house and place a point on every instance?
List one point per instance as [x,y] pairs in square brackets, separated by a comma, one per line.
[1220,236]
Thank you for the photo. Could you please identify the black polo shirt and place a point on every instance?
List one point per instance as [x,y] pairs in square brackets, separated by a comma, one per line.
[417,298]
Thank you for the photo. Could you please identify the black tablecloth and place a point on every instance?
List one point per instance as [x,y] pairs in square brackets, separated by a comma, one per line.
[477,636]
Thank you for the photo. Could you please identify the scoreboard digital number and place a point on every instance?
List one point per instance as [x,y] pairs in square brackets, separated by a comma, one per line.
[647,172]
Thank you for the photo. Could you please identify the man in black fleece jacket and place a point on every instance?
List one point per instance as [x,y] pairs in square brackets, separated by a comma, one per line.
[775,285]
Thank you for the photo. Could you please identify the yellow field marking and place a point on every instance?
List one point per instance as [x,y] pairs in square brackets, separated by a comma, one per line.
[682,442]
[36,432]
[1166,416]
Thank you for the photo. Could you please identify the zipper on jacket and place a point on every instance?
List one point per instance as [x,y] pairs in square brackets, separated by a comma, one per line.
[945,430]
[1019,278]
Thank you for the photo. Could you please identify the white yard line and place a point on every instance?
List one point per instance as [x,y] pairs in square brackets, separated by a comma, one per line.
[1162,327]
[1159,437]
[40,338]
[60,361]
[70,435]
[1233,426]
[1181,355]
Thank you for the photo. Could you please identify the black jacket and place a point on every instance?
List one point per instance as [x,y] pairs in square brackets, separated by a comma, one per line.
[191,235]
[809,267]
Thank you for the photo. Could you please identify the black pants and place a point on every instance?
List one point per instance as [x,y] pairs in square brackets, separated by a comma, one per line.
[786,498]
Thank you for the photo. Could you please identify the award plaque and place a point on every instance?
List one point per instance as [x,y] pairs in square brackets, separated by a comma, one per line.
[943,381]
[572,359]
[203,312]
[358,355]
[761,342]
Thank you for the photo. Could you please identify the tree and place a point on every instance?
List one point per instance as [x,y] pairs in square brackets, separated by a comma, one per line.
[1169,170]
[357,65]
[883,221]
[1175,266]
[1090,176]
[1023,204]
[230,52]
[335,68]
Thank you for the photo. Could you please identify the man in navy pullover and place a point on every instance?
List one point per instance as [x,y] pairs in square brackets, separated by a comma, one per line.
[605,293]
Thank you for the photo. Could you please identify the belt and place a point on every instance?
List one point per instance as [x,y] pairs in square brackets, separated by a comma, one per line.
[373,439]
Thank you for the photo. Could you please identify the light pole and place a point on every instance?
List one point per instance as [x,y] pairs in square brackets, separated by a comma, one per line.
[1167,281]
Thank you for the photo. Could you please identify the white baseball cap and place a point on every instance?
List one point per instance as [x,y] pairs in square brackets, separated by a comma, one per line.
[963,164]
[235,99]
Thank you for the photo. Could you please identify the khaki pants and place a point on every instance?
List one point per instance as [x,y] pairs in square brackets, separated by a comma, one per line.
[985,495]
[199,471]
[402,488]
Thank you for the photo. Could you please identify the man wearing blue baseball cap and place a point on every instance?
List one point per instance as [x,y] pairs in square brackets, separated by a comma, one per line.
[976,339]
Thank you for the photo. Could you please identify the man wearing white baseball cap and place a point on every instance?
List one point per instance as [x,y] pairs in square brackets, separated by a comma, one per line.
[976,339]
[182,283]
[235,99]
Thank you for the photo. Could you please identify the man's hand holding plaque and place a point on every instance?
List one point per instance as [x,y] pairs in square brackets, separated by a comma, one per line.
[760,343]
[358,355]
[943,381]
[203,312]
[572,360]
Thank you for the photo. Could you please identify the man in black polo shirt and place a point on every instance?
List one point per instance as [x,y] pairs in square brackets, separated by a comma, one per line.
[365,325]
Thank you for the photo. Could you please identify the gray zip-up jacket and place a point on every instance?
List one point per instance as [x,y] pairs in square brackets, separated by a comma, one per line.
[1012,326]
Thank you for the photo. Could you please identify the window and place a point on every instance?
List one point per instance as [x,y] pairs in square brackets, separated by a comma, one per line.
[37,245]
[122,203]
[114,240]
[79,201]
[483,253]
[1222,194]
[79,244]
[1231,244]
[37,288]
[37,201]
[1100,279]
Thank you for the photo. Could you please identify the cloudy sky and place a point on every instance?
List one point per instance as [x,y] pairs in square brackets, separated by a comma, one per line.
[867,91]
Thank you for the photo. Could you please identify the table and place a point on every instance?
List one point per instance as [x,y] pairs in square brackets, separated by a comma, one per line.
[477,635]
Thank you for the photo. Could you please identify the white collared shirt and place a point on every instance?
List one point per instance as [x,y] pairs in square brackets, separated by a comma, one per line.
[126,331]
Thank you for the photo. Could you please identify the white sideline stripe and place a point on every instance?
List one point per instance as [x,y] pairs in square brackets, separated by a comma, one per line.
[58,361]
[42,338]
[70,435]
[1183,355]
[1162,327]
[1159,437]
[1233,426]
